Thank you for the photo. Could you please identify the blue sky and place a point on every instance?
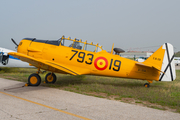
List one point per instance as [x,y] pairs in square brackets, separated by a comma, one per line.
[129,24]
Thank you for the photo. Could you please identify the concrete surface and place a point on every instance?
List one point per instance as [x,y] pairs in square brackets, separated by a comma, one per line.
[42,103]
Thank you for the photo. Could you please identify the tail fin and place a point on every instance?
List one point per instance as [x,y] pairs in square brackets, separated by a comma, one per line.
[163,60]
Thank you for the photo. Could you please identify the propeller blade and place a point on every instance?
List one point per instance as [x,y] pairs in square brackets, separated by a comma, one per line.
[14,42]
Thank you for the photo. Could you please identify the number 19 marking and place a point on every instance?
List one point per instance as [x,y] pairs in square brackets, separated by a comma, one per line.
[116,65]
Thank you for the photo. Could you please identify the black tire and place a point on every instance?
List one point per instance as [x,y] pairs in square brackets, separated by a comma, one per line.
[146,85]
[50,78]
[34,80]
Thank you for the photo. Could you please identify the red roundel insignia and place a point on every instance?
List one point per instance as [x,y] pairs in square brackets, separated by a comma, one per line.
[101,63]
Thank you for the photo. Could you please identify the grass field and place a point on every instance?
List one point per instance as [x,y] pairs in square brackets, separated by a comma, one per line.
[160,95]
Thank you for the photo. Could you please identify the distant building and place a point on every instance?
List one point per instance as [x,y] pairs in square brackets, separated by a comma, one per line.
[136,54]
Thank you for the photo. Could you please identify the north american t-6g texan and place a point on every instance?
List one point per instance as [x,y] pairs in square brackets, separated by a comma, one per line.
[72,56]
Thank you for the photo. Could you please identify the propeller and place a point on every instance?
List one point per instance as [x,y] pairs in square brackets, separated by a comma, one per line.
[14,42]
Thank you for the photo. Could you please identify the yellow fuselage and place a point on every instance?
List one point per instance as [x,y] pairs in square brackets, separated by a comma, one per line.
[85,62]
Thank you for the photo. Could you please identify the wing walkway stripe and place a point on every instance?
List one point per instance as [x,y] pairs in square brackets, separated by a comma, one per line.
[46,106]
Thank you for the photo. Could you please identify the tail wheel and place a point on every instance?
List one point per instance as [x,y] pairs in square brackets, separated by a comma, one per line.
[34,80]
[50,78]
[146,85]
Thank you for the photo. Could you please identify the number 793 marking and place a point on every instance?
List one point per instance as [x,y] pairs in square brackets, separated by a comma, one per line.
[81,56]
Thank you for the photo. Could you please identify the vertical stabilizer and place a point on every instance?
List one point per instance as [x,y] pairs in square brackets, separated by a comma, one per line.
[168,65]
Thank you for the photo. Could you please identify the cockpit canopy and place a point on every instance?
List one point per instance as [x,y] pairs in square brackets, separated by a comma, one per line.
[73,43]
[78,44]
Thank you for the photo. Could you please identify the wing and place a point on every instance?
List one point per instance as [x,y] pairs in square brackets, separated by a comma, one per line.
[50,65]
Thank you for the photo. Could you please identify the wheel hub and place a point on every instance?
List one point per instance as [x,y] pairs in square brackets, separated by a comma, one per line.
[50,78]
[33,80]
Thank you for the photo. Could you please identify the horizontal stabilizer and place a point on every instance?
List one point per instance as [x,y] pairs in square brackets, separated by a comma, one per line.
[151,66]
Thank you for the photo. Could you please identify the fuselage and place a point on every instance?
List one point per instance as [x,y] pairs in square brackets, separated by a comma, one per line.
[86,58]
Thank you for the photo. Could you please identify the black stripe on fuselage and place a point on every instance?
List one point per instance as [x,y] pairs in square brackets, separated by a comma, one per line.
[169,64]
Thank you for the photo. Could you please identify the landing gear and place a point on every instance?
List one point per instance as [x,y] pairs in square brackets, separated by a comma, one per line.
[50,78]
[34,80]
[146,85]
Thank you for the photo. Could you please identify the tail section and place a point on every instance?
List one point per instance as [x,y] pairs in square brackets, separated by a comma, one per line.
[163,60]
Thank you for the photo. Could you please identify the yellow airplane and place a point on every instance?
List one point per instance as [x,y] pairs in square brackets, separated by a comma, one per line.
[72,56]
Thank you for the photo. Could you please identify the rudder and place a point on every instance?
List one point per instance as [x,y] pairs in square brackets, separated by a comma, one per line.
[168,65]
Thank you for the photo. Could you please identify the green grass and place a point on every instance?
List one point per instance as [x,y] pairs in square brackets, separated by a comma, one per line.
[166,94]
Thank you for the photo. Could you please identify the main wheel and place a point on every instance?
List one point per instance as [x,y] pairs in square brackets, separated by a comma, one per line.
[146,85]
[34,80]
[50,78]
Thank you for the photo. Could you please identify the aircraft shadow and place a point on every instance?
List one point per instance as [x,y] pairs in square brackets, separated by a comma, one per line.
[19,87]
[88,79]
